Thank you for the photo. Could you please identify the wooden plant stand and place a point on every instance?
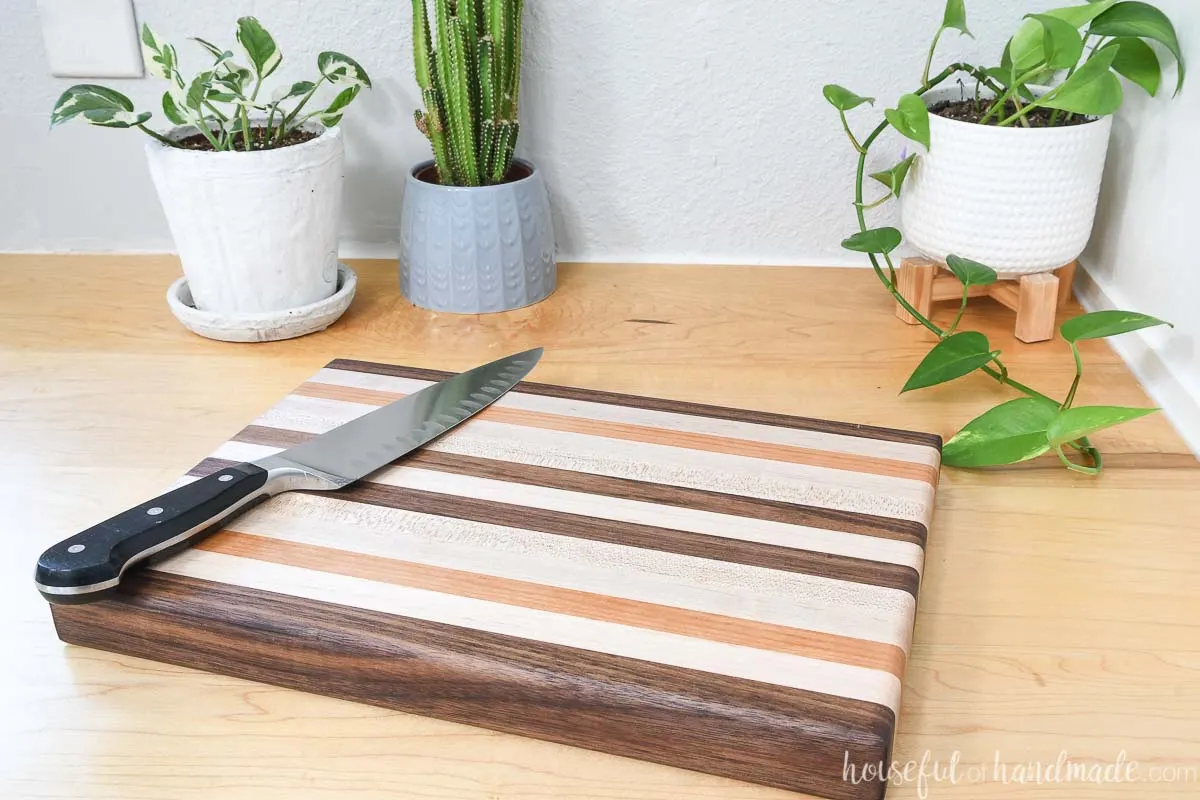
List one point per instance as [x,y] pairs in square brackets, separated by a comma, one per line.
[1035,298]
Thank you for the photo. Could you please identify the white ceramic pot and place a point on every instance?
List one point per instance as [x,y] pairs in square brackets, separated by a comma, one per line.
[256,232]
[1021,200]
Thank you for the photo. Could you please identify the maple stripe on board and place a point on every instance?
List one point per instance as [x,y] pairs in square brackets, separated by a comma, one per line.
[598,565]
[791,514]
[655,463]
[768,451]
[658,404]
[409,473]
[728,549]
[586,605]
[594,412]
[733,660]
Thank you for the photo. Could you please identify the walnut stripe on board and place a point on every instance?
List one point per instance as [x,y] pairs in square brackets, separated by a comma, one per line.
[540,597]
[856,570]
[675,406]
[666,420]
[790,454]
[746,730]
[683,497]
[675,466]
[736,661]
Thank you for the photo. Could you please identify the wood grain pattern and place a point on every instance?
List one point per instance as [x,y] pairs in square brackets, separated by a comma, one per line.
[559,569]
[750,733]
[1056,613]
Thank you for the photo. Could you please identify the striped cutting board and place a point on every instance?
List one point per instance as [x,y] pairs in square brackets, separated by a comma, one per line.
[727,591]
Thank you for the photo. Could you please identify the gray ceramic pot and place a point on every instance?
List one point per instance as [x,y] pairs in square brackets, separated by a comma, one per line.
[476,249]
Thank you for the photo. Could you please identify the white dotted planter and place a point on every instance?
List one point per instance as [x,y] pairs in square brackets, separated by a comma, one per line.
[256,232]
[1021,200]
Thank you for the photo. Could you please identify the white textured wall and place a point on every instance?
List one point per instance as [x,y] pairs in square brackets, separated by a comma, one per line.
[669,130]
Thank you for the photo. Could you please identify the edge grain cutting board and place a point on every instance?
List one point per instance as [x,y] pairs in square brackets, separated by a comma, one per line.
[726,591]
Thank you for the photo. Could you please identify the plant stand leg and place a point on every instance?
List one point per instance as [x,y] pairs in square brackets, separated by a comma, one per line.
[1066,278]
[1037,304]
[914,281]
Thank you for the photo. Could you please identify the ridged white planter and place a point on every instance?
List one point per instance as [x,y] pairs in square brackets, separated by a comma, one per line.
[256,232]
[1021,200]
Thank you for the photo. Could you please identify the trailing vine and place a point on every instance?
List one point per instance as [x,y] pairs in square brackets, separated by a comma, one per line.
[1044,47]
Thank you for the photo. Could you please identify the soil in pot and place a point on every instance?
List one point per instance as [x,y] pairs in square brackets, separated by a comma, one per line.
[258,140]
[971,111]
[516,172]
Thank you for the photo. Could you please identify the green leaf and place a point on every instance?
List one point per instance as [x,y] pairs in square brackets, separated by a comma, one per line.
[172,111]
[297,89]
[971,273]
[911,118]
[893,178]
[159,58]
[1137,61]
[333,113]
[1100,324]
[952,357]
[1092,90]
[1143,21]
[214,51]
[843,99]
[1078,16]
[342,70]
[198,90]
[875,240]
[1061,41]
[1044,39]
[259,46]
[115,118]
[1073,423]
[1009,433]
[86,97]
[955,16]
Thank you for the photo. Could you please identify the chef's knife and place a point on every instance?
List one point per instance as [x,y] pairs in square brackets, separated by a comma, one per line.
[89,565]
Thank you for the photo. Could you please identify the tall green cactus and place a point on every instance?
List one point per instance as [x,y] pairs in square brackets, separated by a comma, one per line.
[468,65]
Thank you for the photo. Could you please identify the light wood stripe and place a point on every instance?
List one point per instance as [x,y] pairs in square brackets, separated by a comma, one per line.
[654,418]
[674,466]
[790,454]
[588,605]
[672,519]
[738,661]
[659,404]
[597,559]
[790,514]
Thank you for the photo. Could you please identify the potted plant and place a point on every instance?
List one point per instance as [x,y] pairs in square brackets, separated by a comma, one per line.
[476,234]
[251,187]
[1009,185]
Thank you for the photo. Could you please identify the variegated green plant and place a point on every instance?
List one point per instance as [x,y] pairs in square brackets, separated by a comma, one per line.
[1047,49]
[223,102]
[468,65]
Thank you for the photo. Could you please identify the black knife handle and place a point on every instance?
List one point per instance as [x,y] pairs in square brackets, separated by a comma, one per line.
[88,566]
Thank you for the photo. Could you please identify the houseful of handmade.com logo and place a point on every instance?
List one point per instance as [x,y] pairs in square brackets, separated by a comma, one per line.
[929,772]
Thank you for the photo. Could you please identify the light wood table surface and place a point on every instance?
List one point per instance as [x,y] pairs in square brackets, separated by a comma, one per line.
[1059,612]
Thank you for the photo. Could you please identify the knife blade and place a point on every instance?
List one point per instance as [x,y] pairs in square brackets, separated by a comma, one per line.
[88,566]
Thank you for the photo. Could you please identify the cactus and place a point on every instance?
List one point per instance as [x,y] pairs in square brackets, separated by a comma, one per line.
[468,65]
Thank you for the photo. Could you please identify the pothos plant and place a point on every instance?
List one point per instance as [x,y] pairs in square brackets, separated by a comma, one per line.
[223,102]
[1066,60]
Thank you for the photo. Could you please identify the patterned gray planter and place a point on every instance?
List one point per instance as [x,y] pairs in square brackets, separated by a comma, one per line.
[474,250]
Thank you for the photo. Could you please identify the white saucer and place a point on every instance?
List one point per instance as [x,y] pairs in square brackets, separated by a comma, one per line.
[265,327]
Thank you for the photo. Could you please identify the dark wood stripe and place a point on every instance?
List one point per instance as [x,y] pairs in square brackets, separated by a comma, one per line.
[772,735]
[648,537]
[657,404]
[661,494]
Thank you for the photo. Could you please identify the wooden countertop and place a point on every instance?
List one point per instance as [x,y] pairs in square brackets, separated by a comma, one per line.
[1059,612]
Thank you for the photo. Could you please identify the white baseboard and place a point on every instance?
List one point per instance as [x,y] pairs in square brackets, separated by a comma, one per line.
[1145,353]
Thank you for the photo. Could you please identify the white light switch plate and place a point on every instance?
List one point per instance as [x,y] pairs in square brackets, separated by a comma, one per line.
[91,38]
